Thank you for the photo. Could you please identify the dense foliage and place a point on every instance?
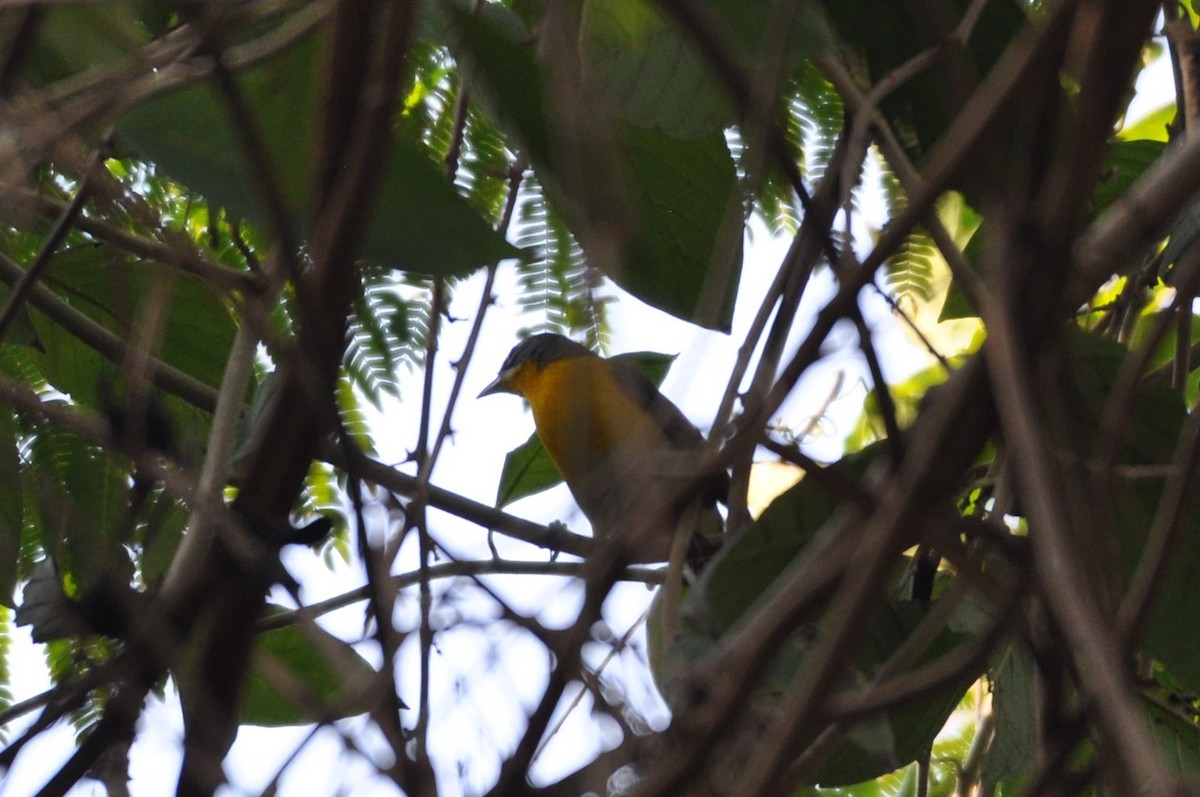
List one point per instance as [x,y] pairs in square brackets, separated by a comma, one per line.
[226,228]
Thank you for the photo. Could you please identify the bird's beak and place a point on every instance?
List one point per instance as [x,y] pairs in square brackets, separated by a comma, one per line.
[497,386]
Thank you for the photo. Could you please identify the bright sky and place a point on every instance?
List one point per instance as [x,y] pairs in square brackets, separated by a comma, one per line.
[481,701]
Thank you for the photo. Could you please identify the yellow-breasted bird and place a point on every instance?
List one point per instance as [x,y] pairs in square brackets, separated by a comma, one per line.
[610,432]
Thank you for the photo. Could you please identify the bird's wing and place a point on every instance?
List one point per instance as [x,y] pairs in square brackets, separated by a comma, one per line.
[678,430]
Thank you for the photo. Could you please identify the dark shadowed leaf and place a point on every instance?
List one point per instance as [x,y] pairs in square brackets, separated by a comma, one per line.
[419,222]
[74,38]
[653,75]
[1124,162]
[686,254]
[1151,432]
[921,108]
[745,571]
[660,215]
[1013,751]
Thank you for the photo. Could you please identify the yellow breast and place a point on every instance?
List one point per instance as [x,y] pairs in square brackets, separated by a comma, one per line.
[583,415]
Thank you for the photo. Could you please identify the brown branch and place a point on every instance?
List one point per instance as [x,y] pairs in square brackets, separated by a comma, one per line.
[292,423]
[1068,596]
[1134,219]
[552,538]
[471,569]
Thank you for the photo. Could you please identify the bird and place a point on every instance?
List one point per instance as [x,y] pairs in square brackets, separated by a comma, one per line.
[611,432]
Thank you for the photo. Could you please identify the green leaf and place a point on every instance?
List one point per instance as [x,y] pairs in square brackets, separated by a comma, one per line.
[1013,750]
[1124,162]
[11,507]
[906,398]
[1152,126]
[419,222]
[686,254]
[69,365]
[957,305]
[302,674]
[198,329]
[921,108]
[497,52]
[188,133]
[1151,430]
[74,38]
[1178,739]
[661,216]
[528,469]
[83,499]
[744,572]
[161,533]
[651,74]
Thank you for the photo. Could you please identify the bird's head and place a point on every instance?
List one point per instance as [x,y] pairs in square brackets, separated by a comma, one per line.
[529,357]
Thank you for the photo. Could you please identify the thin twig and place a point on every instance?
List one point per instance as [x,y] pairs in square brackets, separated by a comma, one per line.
[616,648]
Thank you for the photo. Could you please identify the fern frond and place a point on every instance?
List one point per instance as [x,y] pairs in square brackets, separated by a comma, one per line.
[910,269]
[812,122]
[414,338]
[819,112]
[557,281]
[483,166]
[389,328]
[894,198]
[6,695]
[74,658]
